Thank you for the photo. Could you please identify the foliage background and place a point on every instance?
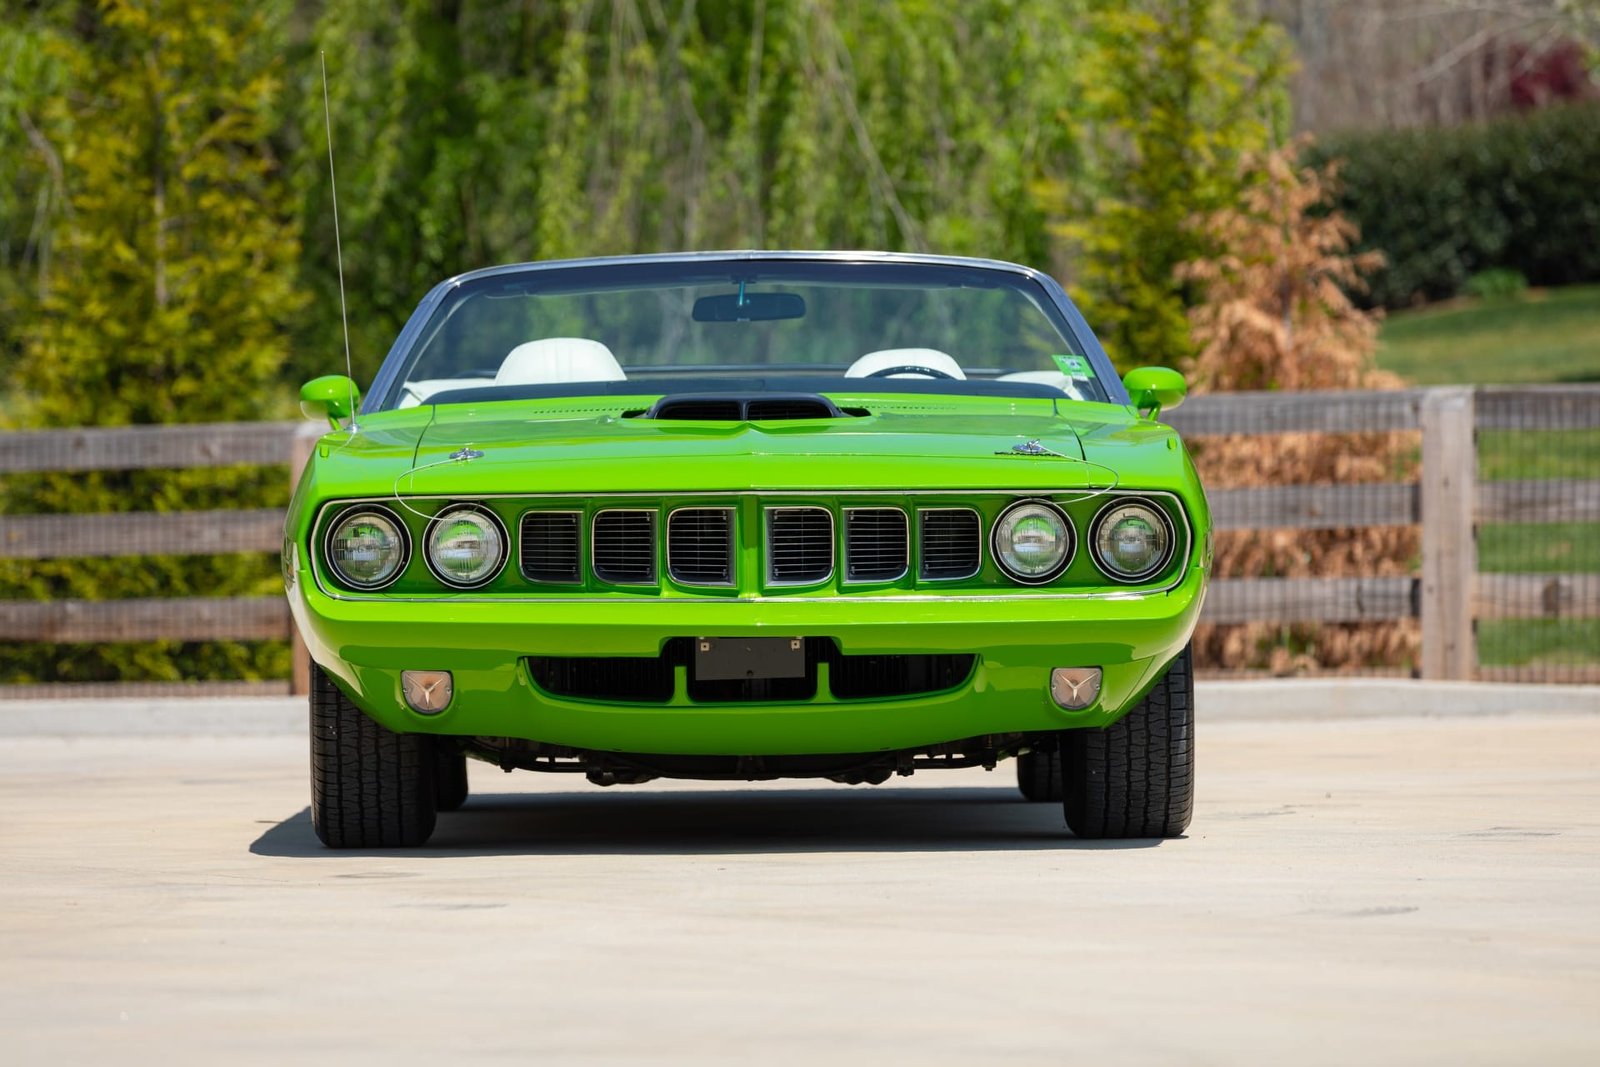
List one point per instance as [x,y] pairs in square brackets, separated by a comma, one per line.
[166,247]
[1447,206]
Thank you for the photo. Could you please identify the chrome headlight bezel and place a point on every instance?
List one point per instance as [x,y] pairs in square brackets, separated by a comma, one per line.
[1000,530]
[1110,513]
[381,515]
[487,519]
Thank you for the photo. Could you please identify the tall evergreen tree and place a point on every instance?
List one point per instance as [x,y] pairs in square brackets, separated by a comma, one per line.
[171,299]
[32,182]
[1174,94]
[178,257]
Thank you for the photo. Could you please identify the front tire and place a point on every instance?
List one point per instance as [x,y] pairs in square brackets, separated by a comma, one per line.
[1135,778]
[370,787]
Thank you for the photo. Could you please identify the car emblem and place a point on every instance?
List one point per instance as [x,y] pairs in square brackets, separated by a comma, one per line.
[465,454]
[1030,448]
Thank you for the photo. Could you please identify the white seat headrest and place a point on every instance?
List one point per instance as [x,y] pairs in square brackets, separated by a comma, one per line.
[1052,378]
[553,360]
[883,359]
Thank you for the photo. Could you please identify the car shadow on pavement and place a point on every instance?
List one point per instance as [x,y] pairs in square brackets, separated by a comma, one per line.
[750,821]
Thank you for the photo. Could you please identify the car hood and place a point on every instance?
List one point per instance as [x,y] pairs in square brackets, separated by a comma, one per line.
[467,450]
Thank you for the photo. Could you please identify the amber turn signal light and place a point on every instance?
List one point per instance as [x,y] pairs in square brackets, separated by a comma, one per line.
[428,692]
[1075,688]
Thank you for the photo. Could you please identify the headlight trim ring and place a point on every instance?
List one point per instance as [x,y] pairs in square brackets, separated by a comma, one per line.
[477,510]
[1143,503]
[1069,530]
[378,511]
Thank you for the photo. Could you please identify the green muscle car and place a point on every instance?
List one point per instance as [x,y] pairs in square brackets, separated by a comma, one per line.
[748,515]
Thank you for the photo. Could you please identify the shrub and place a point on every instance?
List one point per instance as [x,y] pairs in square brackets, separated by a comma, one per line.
[1497,284]
[1444,205]
[1278,315]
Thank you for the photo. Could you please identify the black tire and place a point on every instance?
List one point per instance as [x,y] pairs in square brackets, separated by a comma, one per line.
[1039,775]
[370,787]
[1136,777]
[449,777]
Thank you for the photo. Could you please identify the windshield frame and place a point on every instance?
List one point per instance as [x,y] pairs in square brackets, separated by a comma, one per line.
[386,388]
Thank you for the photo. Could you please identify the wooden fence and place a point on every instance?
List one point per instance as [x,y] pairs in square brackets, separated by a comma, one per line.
[1447,502]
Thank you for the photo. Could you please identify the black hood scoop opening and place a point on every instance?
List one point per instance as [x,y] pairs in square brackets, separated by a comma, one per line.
[740,407]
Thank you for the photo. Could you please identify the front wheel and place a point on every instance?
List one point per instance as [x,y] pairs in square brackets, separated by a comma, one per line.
[1135,778]
[370,787]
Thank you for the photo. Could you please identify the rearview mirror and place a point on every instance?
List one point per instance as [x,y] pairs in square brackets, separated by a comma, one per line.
[332,396]
[1155,389]
[749,307]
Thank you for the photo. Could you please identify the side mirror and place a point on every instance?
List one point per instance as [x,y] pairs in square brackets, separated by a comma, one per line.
[1155,389]
[332,396]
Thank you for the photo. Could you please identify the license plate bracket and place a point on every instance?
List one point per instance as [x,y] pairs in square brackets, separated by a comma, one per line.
[725,659]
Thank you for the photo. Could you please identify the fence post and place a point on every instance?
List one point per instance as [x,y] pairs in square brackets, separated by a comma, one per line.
[1449,540]
[301,444]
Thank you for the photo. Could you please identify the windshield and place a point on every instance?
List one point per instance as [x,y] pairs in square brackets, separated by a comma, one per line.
[665,327]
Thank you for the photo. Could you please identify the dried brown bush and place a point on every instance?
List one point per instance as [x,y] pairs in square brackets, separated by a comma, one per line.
[1277,316]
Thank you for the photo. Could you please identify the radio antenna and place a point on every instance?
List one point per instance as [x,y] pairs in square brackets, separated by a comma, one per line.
[338,248]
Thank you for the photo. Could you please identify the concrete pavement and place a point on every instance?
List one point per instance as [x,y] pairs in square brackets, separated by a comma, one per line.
[1388,891]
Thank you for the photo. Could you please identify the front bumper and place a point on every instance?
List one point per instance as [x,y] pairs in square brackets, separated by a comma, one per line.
[365,644]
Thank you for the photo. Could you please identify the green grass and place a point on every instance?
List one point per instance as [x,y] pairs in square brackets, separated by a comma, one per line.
[1543,548]
[1542,336]
[1523,642]
[1510,455]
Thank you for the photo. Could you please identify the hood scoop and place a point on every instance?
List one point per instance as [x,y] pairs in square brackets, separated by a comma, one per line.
[737,407]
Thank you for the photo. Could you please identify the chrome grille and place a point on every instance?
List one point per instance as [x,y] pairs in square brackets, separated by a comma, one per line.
[550,551]
[951,543]
[799,545]
[624,546]
[875,544]
[700,546]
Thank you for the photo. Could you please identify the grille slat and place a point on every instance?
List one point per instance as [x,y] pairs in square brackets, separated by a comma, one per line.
[875,548]
[550,546]
[799,545]
[951,544]
[734,407]
[625,547]
[700,546]
[795,408]
[698,410]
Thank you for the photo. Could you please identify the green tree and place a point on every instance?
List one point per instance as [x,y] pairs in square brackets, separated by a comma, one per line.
[1174,93]
[483,131]
[170,302]
[32,182]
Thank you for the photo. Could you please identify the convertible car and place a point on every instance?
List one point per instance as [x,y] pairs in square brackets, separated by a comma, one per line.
[744,516]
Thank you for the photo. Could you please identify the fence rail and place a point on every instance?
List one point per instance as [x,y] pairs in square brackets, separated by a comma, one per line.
[137,533]
[217,444]
[1448,596]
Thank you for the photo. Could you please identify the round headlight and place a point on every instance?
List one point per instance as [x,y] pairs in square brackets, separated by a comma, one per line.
[367,547]
[466,546]
[1033,541]
[1132,540]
